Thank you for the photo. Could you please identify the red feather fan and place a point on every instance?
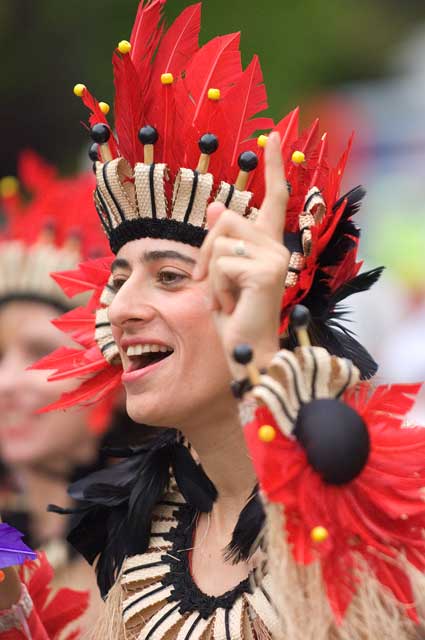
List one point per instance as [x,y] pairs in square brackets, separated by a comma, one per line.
[377,516]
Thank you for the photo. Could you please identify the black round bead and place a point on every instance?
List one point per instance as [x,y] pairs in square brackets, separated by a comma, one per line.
[300,316]
[100,133]
[242,353]
[208,143]
[335,439]
[248,161]
[148,135]
[94,152]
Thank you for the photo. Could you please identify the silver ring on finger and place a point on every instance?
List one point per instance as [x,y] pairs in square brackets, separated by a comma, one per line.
[240,249]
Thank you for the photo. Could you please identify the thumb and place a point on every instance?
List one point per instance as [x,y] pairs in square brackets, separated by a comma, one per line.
[214,211]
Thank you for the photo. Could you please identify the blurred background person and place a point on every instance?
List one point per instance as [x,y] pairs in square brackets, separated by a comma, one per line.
[41,453]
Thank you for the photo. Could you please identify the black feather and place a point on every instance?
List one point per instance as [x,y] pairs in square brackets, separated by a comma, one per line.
[359,283]
[339,342]
[354,199]
[246,535]
[113,515]
[346,232]
[195,486]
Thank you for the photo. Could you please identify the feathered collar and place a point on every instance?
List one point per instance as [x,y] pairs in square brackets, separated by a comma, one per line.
[113,516]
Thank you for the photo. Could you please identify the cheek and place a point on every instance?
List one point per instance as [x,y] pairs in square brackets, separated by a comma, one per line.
[191,311]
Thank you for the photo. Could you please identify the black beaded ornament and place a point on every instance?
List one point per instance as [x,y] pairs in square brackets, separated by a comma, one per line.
[242,354]
[300,317]
[94,152]
[208,143]
[248,161]
[100,133]
[148,135]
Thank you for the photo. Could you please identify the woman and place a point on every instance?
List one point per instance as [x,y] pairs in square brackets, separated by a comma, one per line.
[180,538]
[42,452]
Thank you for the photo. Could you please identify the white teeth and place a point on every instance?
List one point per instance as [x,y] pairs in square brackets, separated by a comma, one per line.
[139,349]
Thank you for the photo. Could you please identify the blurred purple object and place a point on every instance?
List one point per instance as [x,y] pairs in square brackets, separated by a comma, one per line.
[12,550]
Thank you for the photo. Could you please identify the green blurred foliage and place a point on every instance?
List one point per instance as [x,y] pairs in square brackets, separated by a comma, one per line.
[306,47]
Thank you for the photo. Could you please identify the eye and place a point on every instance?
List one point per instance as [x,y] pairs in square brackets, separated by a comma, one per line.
[117,283]
[170,277]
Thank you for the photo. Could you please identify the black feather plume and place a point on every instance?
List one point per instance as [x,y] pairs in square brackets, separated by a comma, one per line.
[246,535]
[359,283]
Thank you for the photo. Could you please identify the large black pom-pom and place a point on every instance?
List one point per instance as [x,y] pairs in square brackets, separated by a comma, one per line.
[335,438]
[100,133]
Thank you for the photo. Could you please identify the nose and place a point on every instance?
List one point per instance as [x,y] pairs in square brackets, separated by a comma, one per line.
[131,304]
[12,376]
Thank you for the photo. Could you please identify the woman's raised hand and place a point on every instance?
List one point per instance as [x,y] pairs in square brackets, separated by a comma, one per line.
[246,263]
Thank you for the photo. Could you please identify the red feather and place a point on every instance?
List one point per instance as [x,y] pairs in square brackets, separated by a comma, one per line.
[288,131]
[244,101]
[56,611]
[216,65]
[79,323]
[79,363]
[179,43]
[144,38]
[97,116]
[91,391]
[129,107]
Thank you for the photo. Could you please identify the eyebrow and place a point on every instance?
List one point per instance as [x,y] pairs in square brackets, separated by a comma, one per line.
[152,256]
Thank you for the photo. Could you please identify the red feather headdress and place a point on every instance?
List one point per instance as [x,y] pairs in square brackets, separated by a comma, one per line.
[52,227]
[169,92]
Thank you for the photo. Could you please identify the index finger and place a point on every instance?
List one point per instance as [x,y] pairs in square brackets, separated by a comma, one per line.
[272,213]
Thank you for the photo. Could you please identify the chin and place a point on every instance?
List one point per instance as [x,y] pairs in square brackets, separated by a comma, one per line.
[141,413]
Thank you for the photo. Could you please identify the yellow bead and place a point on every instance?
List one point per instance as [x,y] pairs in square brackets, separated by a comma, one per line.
[262,141]
[104,107]
[298,157]
[79,89]
[9,186]
[214,94]
[124,47]
[167,78]
[319,534]
[266,433]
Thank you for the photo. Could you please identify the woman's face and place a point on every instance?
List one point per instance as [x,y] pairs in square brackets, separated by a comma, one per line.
[26,438]
[159,308]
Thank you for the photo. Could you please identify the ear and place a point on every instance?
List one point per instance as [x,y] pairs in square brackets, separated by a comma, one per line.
[214,211]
